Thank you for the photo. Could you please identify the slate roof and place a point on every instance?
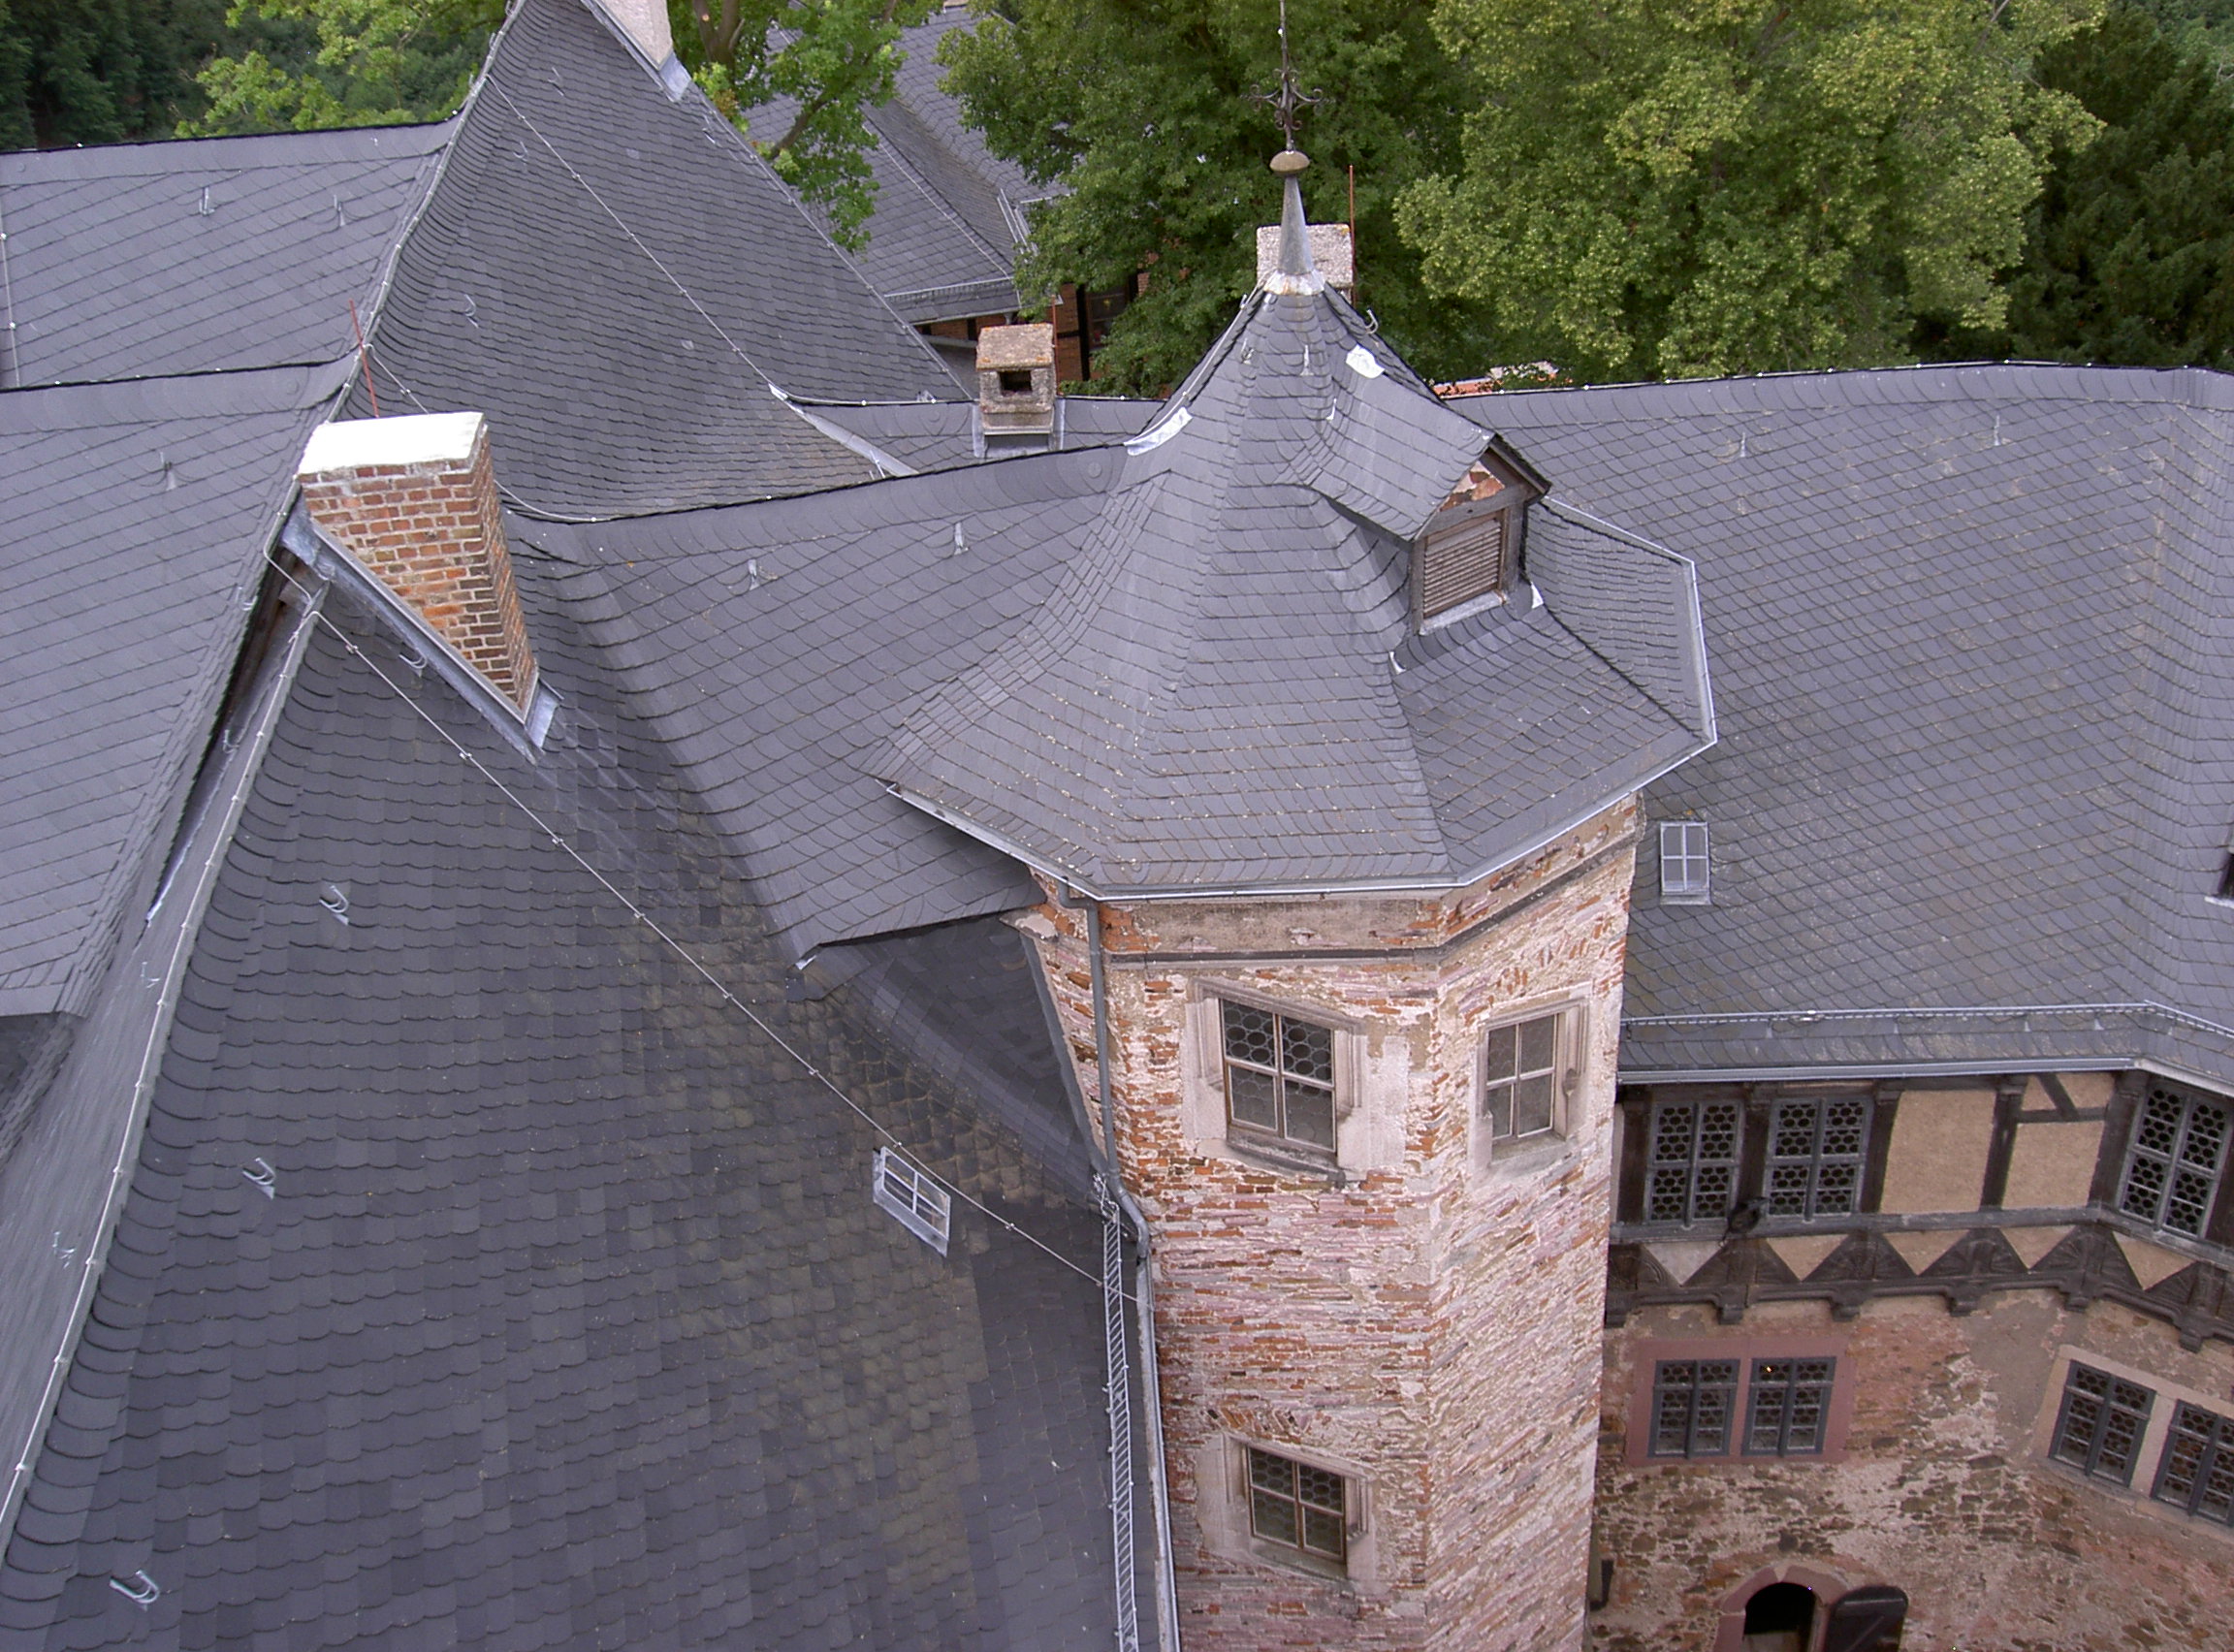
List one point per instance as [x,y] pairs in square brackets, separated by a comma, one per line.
[134,520]
[1974,643]
[621,284]
[1225,689]
[215,254]
[568,1321]
[938,435]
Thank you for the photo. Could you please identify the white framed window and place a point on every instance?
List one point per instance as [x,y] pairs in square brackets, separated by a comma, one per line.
[1686,868]
[1271,1502]
[1530,1074]
[912,1199]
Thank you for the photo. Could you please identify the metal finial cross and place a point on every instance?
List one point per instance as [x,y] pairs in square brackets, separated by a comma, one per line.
[1290,101]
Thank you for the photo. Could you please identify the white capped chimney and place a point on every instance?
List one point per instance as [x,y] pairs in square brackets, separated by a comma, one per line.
[645,23]
[413,503]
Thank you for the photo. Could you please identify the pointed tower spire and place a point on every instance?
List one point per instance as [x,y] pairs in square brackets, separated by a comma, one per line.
[1294,271]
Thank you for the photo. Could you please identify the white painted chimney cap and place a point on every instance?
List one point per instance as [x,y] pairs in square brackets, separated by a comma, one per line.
[418,438]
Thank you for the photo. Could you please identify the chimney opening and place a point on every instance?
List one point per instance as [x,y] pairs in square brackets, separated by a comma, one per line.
[1015,381]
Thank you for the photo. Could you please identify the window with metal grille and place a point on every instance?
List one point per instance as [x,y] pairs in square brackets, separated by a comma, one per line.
[1298,1505]
[2173,1166]
[2098,1428]
[1686,868]
[1691,1172]
[1693,1401]
[2197,1470]
[1279,1076]
[1462,554]
[918,1203]
[1786,1403]
[1815,1150]
[1528,1071]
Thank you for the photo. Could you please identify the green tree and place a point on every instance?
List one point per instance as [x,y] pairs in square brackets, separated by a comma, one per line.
[305,65]
[808,71]
[1672,188]
[2130,255]
[99,71]
[1142,110]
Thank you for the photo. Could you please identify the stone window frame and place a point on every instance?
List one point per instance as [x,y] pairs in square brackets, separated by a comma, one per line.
[1359,1123]
[2212,1470]
[1223,1502]
[1290,1087]
[2149,1453]
[1572,1060]
[1748,1353]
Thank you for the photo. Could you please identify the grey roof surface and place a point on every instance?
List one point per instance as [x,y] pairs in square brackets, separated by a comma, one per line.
[618,281]
[1974,643]
[218,253]
[937,436]
[134,520]
[775,647]
[1225,690]
[943,234]
[569,1322]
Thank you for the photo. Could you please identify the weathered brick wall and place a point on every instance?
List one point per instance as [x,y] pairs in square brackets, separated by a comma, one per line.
[1433,1325]
[434,533]
[1944,1489]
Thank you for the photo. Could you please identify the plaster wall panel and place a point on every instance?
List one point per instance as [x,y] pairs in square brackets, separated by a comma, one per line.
[2051,1164]
[1941,1140]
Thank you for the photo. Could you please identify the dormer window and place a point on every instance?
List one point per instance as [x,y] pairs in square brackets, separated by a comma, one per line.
[1467,554]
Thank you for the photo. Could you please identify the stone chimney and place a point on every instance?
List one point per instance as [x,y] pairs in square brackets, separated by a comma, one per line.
[1016,380]
[413,501]
[1331,255]
[645,23]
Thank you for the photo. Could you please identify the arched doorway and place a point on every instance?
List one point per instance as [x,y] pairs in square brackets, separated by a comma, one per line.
[1780,1618]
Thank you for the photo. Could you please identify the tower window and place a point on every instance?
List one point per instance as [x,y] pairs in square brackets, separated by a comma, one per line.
[1691,1171]
[1686,869]
[2177,1155]
[1785,1407]
[2099,1429]
[1529,1073]
[1299,1506]
[1279,1077]
[2197,1473]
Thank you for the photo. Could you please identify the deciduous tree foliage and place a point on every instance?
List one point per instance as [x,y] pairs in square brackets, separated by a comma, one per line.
[1669,187]
[99,71]
[303,65]
[2130,258]
[1142,110]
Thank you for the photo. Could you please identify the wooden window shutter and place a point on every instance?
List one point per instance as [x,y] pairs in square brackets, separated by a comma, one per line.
[1461,556]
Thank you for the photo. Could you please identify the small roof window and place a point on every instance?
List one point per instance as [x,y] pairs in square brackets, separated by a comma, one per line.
[918,1203]
[1686,868]
[1469,550]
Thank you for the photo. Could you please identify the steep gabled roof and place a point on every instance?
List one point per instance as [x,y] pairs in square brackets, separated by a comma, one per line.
[134,522]
[216,254]
[1973,640]
[1225,690]
[615,278]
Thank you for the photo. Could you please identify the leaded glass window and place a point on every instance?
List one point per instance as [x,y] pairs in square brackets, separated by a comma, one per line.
[1693,1401]
[1279,1076]
[1816,1152]
[2197,1473]
[2099,1429]
[1298,1505]
[1691,1171]
[2172,1169]
[1786,1405]
[1527,1072]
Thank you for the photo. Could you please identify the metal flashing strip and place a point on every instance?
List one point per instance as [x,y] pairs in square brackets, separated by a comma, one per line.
[101,1097]
[859,446]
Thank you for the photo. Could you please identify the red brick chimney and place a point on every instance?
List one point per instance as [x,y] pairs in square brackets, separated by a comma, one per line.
[413,500]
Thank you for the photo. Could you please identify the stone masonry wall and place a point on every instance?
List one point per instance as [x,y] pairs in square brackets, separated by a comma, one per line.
[434,534]
[1944,1488]
[1431,1327]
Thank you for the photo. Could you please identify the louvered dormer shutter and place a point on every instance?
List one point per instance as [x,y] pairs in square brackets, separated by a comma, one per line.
[1462,555]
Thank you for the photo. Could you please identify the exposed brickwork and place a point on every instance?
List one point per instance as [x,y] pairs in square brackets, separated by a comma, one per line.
[1433,1325]
[434,534]
[1943,1489]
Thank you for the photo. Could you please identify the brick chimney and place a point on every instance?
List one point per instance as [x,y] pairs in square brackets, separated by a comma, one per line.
[1016,380]
[413,501]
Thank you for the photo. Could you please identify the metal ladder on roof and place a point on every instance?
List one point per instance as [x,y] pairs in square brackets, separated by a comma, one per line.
[1120,1393]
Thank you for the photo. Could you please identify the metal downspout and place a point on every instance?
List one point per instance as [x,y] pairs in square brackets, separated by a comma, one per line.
[1167,1583]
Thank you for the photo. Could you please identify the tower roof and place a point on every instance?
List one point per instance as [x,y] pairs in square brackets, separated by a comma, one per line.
[1228,688]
